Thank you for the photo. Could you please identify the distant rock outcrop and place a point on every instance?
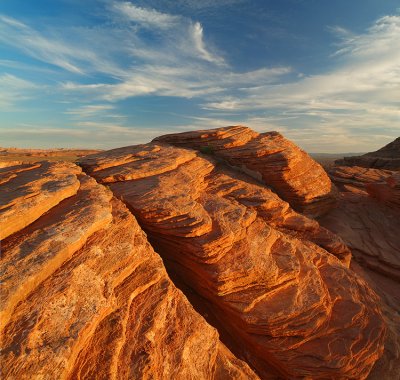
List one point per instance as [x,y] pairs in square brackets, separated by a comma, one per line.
[268,157]
[270,274]
[83,294]
[387,157]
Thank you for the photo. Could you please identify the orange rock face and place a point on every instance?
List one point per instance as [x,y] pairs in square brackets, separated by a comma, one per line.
[270,158]
[368,219]
[270,274]
[28,191]
[84,296]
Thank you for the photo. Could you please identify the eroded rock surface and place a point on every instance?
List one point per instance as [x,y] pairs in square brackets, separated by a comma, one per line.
[368,219]
[270,158]
[387,157]
[28,191]
[84,296]
[270,274]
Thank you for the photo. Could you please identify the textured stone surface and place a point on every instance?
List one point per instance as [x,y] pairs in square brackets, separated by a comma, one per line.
[84,296]
[387,157]
[388,366]
[368,219]
[369,224]
[28,191]
[266,270]
[270,158]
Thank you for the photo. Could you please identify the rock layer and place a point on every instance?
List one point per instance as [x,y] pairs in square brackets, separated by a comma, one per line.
[387,157]
[368,217]
[84,296]
[269,273]
[270,158]
[28,191]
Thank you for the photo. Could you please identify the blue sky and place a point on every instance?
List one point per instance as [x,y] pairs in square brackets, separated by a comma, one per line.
[105,73]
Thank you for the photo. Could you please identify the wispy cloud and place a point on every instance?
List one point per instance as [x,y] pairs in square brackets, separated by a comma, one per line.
[89,110]
[14,90]
[139,50]
[149,18]
[197,35]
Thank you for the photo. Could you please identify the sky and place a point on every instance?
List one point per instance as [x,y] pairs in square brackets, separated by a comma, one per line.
[110,73]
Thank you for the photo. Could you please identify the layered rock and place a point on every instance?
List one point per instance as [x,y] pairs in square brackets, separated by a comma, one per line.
[387,157]
[28,191]
[268,157]
[367,217]
[84,296]
[270,274]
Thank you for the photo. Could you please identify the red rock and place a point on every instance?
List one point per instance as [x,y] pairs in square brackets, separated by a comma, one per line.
[84,296]
[266,270]
[366,224]
[388,192]
[268,157]
[356,178]
[368,219]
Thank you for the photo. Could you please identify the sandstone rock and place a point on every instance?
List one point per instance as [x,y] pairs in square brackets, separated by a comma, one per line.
[270,158]
[266,270]
[28,191]
[368,219]
[84,296]
[353,178]
[387,367]
[388,192]
[368,226]
[387,157]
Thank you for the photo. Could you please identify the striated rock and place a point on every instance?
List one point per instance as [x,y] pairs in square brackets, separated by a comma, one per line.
[387,157]
[356,178]
[28,191]
[268,157]
[84,296]
[368,226]
[368,219]
[388,192]
[270,274]
[387,367]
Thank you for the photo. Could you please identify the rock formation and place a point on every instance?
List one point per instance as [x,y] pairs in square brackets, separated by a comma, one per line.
[368,196]
[268,157]
[84,296]
[367,217]
[269,273]
[387,157]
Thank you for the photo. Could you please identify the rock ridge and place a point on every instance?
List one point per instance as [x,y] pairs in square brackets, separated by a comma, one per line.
[84,296]
[270,274]
[270,158]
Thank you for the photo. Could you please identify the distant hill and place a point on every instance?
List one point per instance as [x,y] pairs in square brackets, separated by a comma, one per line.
[33,155]
[387,157]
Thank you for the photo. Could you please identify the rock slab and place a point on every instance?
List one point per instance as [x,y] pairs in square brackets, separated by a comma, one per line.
[269,157]
[276,280]
[84,296]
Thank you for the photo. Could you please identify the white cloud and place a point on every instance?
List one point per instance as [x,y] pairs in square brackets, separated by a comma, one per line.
[149,18]
[14,90]
[89,110]
[361,94]
[197,36]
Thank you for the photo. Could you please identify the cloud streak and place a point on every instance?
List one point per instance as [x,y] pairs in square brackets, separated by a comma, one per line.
[139,51]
